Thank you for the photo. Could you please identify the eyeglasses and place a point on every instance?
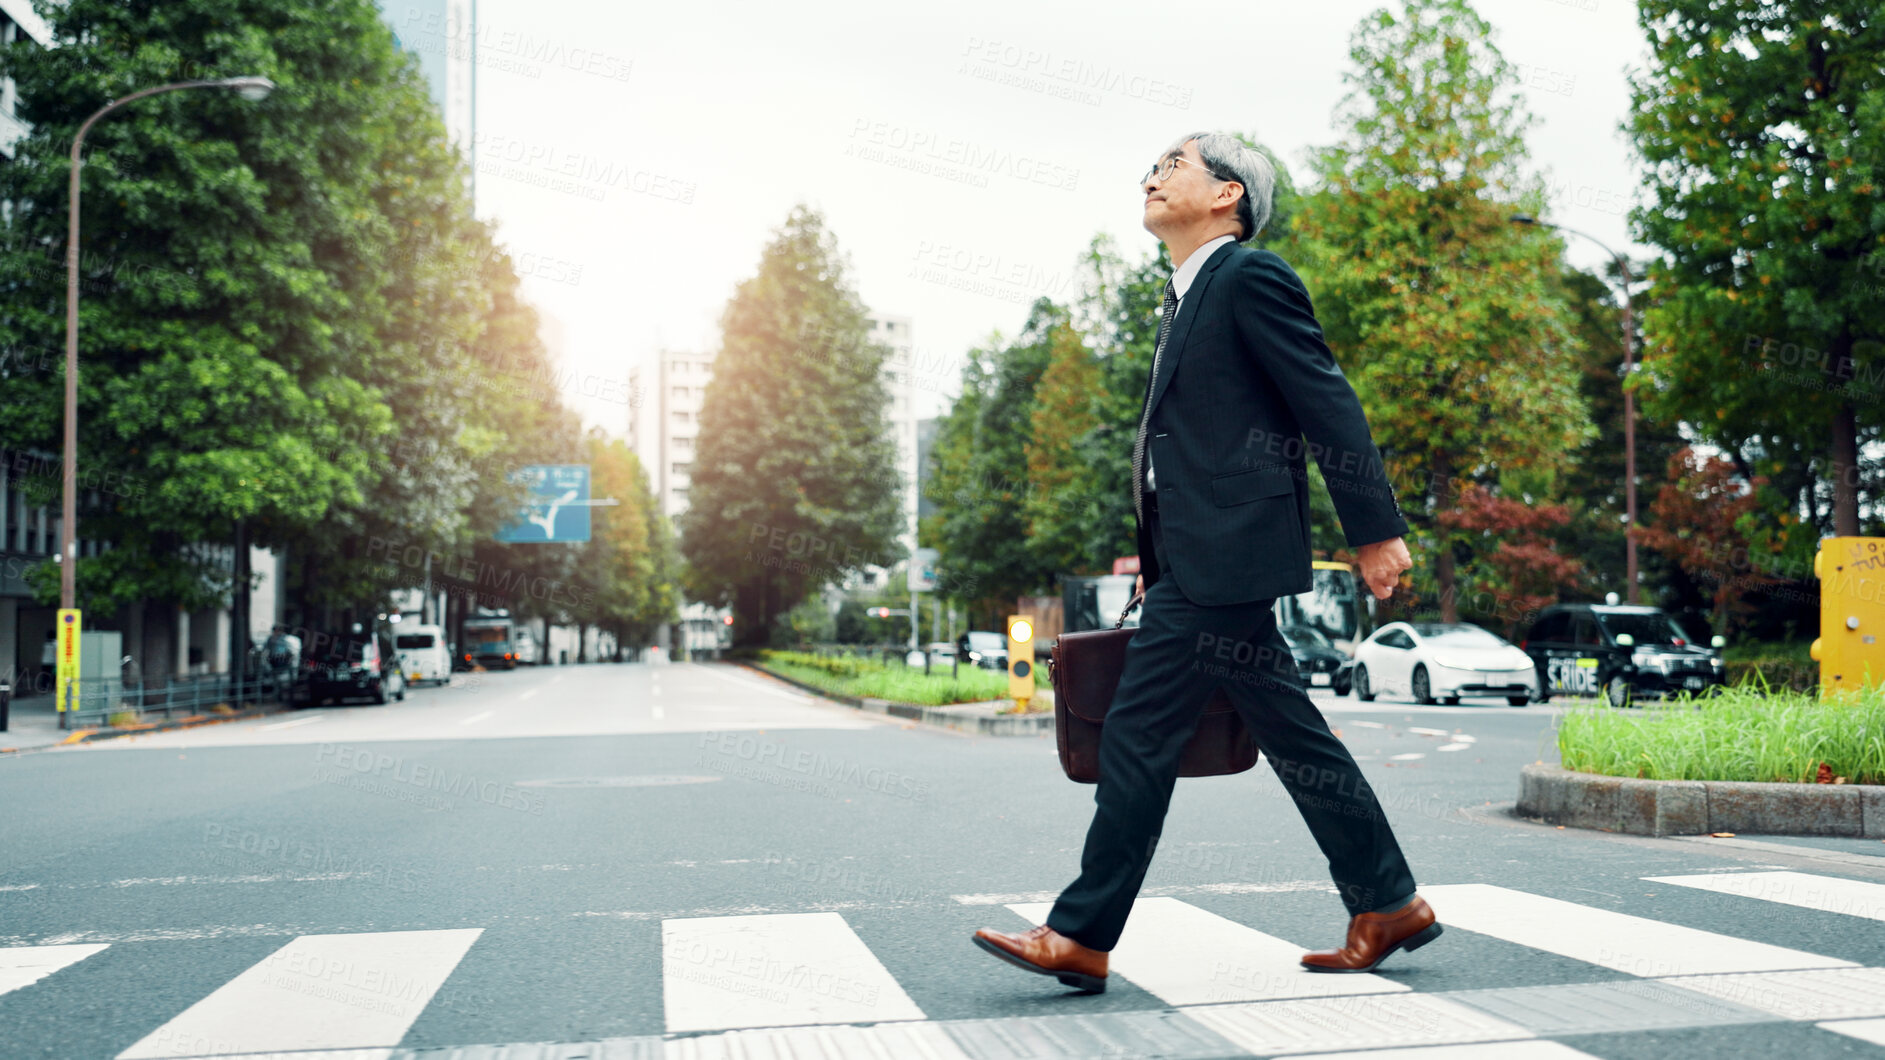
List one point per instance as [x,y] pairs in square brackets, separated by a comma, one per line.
[1164,170]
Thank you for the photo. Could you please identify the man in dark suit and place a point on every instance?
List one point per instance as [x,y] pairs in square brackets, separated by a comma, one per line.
[1240,377]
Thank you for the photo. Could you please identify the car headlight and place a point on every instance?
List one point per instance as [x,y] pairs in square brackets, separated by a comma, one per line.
[1644,662]
[1449,662]
[975,656]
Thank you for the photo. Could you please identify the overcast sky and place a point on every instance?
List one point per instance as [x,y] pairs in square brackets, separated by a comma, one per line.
[717,117]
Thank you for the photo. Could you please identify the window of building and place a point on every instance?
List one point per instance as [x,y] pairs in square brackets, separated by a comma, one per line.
[683,445]
[678,391]
[681,469]
[680,416]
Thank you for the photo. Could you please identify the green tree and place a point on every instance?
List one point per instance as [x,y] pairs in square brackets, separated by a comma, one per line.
[795,481]
[1445,316]
[1762,129]
[981,483]
[286,303]
[626,586]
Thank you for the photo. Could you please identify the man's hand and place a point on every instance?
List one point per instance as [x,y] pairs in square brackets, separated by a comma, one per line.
[1381,565]
[1138,585]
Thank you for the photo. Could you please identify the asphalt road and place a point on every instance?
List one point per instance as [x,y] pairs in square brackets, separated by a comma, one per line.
[678,860]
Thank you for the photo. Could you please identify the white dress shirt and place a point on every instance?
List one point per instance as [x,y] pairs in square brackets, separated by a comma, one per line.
[1181,282]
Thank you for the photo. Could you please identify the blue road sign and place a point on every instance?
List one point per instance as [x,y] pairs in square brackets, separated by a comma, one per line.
[558,508]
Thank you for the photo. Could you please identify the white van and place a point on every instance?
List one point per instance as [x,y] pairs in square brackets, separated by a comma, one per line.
[423,653]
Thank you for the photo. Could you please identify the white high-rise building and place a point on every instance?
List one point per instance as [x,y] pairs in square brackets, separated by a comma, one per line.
[899,377]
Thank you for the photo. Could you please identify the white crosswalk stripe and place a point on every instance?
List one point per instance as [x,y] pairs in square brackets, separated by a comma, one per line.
[25,965]
[1633,945]
[319,992]
[773,970]
[1184,955]
[1824,894]
[807,986]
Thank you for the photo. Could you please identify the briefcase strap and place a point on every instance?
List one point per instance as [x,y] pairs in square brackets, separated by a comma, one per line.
[1130,604]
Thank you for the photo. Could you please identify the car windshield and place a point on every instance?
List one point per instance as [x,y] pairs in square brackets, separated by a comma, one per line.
[1645,627]
[414,640]
[987,641]
[1461,637]
[1305,637]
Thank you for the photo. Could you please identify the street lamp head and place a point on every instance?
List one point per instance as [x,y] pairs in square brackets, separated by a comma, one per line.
[249,88]
[1522,219]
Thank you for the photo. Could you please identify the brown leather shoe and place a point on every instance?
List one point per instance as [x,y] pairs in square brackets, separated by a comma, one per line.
[1048,952]
[1372,936]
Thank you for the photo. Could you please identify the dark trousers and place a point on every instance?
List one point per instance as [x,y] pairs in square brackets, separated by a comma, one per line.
[1181,653]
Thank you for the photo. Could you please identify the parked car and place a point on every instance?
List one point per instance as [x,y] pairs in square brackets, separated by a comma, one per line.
[1443,661]
[1318,660]
[337,666]
[984,648]
[423,654]
[1619,651]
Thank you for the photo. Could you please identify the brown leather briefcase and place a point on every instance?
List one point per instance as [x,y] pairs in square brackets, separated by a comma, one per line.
[1085,667]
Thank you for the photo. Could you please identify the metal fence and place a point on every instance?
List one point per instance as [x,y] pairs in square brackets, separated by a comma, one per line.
[98,703]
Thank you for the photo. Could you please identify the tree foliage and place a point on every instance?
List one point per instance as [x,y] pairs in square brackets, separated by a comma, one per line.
[1762,130]
[794,481]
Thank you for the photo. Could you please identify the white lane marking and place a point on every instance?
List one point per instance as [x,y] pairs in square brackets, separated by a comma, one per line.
[1830,993]
[1367,725]
[476,718]
[1453,747]
[1428,732]
[310,719]
[781,970]
[1460,737]
[755,684]
[1408,757]
[1536,1049]
[1865,1030]
[1029,897]
[1824,894]
[1362,1021]
[1187,956]
[529,692]
[355,991]
[25,965]
[20,887]
[1631,944]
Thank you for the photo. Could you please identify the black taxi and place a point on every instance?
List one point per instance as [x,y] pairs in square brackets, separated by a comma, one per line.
[1620,651]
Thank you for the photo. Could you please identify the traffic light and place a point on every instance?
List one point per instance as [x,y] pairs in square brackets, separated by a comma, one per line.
[1851,571]
[1021,660]
[880,612]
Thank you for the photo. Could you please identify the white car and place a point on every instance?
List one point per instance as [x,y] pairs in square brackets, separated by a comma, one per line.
[423,654]
[1443,661]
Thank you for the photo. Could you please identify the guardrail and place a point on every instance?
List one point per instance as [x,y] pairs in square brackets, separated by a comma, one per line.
[192,694]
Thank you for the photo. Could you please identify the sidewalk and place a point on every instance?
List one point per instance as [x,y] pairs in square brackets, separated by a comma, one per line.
[33,725]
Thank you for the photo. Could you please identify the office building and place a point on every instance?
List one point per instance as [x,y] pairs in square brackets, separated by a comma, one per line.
[443,36]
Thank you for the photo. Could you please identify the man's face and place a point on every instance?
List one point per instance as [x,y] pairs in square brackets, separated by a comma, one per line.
[1184,197]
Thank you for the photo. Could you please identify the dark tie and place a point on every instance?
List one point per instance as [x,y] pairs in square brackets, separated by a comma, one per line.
[1167,311]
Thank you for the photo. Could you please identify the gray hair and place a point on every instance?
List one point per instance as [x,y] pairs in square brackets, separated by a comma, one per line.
[1228,159]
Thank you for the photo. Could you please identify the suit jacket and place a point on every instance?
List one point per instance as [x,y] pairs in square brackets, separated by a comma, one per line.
[1245,378]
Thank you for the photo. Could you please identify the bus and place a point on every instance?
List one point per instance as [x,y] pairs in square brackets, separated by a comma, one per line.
[489,640]
[1333,606]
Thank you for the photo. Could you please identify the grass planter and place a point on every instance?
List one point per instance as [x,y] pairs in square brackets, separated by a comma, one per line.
[866,678]
[1741,734]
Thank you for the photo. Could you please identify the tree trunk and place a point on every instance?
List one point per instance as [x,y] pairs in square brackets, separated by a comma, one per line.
[1444,496]
[1845,447]
[239,610]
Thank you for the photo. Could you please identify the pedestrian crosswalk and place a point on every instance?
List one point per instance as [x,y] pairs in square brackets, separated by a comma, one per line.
[807,985]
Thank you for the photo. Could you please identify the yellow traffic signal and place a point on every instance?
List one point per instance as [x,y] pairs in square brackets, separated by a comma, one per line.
[1851,646]
[1021,659]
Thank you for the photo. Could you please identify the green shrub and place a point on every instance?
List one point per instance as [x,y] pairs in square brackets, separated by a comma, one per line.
[869,676]
[1744,733]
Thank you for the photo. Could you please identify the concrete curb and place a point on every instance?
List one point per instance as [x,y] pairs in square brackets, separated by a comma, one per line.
[1698,807]
[78,736]
[977,718]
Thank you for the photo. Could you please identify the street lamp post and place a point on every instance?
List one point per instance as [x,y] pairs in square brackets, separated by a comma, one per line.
[250,88]
[1629,401]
